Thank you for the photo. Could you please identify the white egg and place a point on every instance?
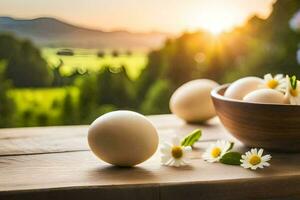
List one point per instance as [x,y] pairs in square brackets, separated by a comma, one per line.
[192,101]
[123,138]
[265,96]
[238,89]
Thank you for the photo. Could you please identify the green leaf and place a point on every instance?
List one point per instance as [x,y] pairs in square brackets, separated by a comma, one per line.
[191,138]
[293,81]
[231,158]
[231,146]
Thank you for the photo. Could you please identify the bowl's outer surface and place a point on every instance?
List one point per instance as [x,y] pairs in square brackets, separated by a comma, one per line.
[270,126]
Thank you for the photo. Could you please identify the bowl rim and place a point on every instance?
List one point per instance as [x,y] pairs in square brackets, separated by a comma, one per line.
[215,94]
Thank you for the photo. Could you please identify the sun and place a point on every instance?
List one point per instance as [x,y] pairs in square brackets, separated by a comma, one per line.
[218,22]
[216,19]
[217,26]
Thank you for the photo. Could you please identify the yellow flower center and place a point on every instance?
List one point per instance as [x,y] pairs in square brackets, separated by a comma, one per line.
[293,92]
[215,152]
[177,152]
[254,160]
[272,83]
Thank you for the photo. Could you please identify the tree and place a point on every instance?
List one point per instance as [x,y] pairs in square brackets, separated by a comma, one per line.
[101,54]
[88,94]
[25,65]
[115,53]
[150,74]
[157,98]
[115,87]
[69,114]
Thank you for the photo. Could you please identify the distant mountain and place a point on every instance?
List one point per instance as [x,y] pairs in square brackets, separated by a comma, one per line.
[47,31]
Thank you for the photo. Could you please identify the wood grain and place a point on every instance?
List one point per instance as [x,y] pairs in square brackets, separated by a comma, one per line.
[271,126]
[62,167]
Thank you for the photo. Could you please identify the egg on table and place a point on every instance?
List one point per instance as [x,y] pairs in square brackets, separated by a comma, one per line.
[265,96]
[192,101]
[123,138]
[240,88]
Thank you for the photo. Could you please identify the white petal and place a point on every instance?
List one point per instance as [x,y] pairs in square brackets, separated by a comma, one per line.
[266,158]
[266,164]
[245,165]
[254,151]
[268,77]
[227,146]
[171,162]
[283,81]
[187,149]
[176,141]
[166,162]
[260,152]
[254,167]
[177,163]
[260,166]
[278,77]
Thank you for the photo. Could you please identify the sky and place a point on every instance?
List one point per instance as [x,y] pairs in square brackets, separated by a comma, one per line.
[172,16]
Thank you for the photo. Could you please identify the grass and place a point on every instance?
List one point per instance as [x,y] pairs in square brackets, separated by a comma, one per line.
[87,59]
[32,105]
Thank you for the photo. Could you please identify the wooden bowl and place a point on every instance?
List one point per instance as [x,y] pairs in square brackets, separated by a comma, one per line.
[270,126]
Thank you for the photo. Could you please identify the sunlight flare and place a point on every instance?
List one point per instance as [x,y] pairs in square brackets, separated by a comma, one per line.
[216,18]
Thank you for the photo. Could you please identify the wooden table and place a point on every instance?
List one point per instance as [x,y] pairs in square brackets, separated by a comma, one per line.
[56,163]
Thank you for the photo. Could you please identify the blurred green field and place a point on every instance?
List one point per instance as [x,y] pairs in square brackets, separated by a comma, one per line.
[36,106]
[87,59]
[45,106]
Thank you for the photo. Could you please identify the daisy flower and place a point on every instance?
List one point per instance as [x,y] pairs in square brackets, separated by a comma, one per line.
[293,90]
[254,159]
[215,151]
[174,154]
[277,82]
